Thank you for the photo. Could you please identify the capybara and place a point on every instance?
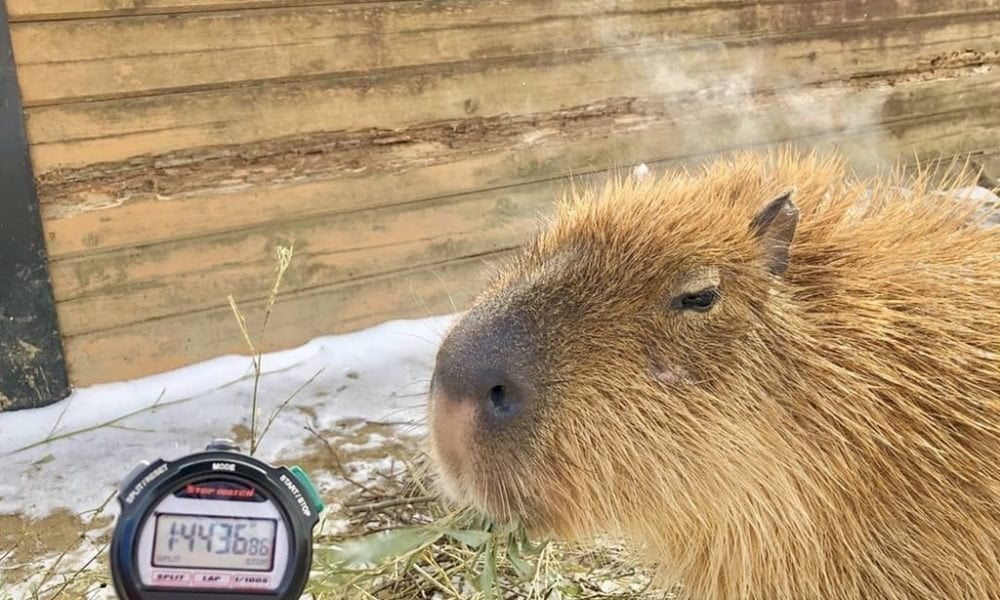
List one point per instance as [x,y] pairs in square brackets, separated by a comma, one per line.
[775,378]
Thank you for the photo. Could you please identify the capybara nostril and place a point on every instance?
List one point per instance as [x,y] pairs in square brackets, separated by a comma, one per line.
[485,388]
[498,396]
[504,401]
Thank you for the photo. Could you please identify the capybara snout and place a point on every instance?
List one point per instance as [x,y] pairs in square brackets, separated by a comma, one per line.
[486,362]
[482,388]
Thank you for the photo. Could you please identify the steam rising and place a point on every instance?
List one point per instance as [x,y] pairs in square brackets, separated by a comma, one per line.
[723,96]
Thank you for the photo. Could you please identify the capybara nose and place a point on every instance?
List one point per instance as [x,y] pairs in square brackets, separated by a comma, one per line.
[482,366]
[479,384]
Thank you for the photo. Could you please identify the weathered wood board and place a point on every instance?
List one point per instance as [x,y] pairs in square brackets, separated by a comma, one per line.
[77,134]
[98,58]
[399,144]
[161,344]
[21,10]
[101,291]
[426,162]
[73,9]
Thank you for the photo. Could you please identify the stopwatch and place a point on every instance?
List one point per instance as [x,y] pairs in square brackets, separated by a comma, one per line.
[211,525]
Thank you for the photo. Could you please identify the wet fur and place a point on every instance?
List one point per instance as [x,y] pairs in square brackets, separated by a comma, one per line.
[829,432]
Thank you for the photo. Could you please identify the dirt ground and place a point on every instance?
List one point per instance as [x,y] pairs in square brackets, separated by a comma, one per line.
[24,540]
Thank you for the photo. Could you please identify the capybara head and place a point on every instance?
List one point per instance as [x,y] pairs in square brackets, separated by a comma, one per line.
[779,380]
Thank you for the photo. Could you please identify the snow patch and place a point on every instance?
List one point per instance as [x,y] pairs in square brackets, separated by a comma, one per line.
[74,453]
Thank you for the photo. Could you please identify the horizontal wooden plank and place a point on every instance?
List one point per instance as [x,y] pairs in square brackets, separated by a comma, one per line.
[45,10]
[86,59]
[106,291]
[990,161]
[154,203]
[110,289]
[160,345]
[35,10]
[67,136]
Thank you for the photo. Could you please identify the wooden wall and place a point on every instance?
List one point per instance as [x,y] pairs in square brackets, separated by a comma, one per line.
[404,144]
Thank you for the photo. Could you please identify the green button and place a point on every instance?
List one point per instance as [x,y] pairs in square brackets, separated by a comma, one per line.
[308,486]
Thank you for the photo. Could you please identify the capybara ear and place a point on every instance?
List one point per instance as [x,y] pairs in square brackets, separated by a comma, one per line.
[774,226]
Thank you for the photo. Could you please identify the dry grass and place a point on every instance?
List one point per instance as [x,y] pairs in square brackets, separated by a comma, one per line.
[398,541]
[284,256]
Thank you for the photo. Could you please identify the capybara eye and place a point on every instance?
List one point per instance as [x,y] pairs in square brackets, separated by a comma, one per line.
[699,301]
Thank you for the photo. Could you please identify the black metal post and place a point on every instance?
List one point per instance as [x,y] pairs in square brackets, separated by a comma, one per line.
[32,367]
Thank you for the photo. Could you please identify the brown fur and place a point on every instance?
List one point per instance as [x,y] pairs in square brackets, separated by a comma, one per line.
[830,431]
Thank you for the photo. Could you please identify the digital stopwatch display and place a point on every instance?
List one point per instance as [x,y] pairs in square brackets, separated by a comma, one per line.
[208,542]
[192,539]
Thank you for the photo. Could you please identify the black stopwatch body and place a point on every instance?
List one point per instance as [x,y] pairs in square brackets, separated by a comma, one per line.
[169,508]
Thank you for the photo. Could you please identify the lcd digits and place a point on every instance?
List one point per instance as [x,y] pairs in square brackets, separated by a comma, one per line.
[212,542]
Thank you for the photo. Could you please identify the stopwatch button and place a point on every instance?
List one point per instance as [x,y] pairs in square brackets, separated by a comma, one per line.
[223,445]
[308,486]
[131,477]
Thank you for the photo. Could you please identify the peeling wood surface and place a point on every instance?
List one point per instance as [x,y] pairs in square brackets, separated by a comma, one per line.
[300,177]
[401,143]
[358,156]
[77,134]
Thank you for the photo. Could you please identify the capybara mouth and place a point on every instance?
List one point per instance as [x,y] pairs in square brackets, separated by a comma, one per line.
[490,463]
[467,478]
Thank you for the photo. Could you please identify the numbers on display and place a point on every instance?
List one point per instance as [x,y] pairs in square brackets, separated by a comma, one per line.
[199,534]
